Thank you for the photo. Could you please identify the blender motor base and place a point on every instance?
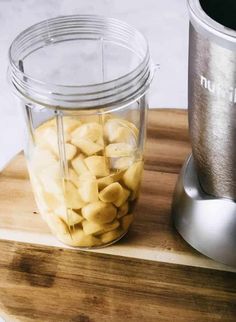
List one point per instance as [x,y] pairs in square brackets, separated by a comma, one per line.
[207,223]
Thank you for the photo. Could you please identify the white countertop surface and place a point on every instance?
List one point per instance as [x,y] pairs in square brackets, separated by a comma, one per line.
[164,23]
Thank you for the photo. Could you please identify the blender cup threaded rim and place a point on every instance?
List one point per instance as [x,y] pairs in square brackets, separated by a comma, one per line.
[115,92]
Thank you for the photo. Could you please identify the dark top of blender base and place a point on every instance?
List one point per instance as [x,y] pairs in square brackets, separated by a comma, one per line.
[222,11]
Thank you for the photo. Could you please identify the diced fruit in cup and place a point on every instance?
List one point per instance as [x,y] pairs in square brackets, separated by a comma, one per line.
[87,146]
[122,163]
[79,165]
[90,203]
[51,179]
[78,238]
[99,212]
[111,226]
[116,150]
[47,138]
[97,165]
[52,200]
[91,131]
[111,193]
[115,130]
[100,141]
[111,235]
[123,210]
[70,124]
[126,221]
[130,125]
[41,159]
[122,197]
[113,177]
[135,193]
[57,225]
[70,150]
[73,177]
[132,176]
[72,196]
[68,215]
[91,227]
[88,188]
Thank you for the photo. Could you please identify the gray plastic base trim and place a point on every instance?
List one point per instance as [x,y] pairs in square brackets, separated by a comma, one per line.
[208,224]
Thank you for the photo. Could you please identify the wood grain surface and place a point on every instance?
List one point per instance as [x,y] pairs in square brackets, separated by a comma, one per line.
[150,275]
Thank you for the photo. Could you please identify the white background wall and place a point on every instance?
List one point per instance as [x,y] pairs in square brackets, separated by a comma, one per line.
[164,23]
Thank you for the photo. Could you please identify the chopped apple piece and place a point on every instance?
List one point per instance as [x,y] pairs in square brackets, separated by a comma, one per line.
[88,187]
[105,181]
[81,156]
[96,229]
[110,128]
[110,236]
[123,210]
[109,227]
[72,196]
[99,212]
[47,138]
[87,146]
[126,221]
[79,165]
[122,197]
[130,125]
[100,141]
[42,158]
[91,131]
[116,131]
[53,201]
[51,179]
[49,123]
[116,150]
[135,193]
[68,215]
[73,217]
[41,133]
[124,134]
[70,151]
[91,227]
[78,238]
[111,193]
[70,123]
[86,176]
[132,175]
[97,165]
[122,163]
[73,177]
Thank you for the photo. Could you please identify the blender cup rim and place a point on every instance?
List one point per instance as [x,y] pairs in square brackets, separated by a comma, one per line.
[96,94]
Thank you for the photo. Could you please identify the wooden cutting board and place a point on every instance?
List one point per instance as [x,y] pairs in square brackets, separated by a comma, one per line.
[150,275]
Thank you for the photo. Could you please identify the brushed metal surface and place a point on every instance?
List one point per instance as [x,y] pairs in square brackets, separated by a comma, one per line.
[212,114]
[205,222]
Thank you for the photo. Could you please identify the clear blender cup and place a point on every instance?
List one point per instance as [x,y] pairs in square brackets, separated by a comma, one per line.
[82,82]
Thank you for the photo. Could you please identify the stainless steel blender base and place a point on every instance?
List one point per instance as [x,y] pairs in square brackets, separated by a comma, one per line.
[207,223]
